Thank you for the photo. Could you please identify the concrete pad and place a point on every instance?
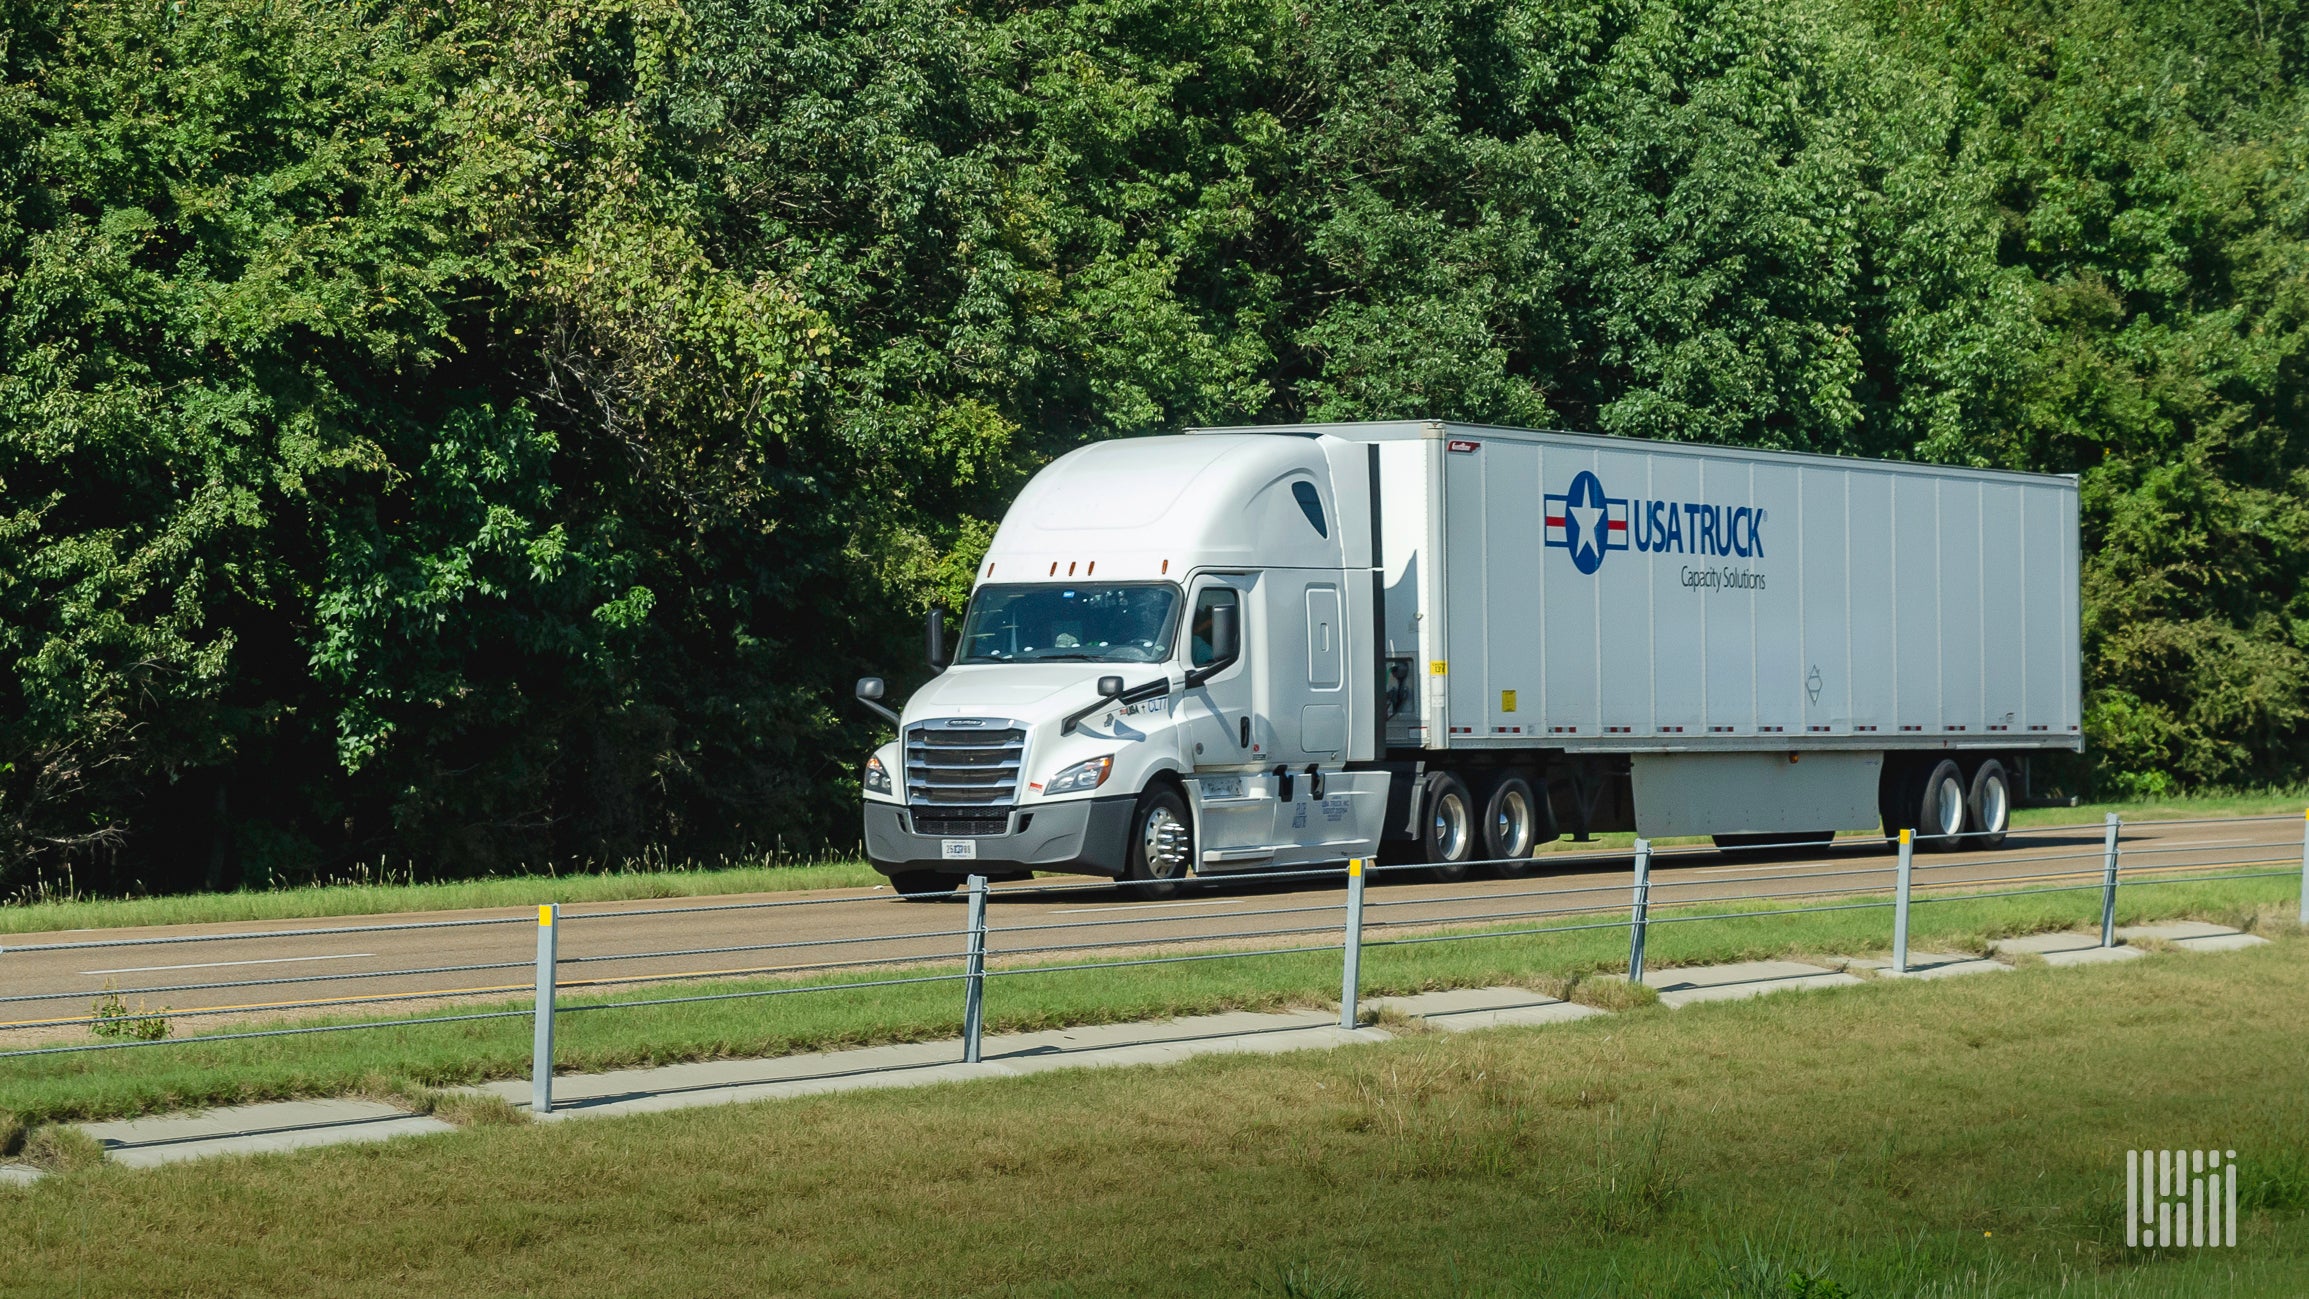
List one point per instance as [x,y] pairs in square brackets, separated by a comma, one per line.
[725,1082]
[1932,965]
[19,1175]
[2195,936]
[2065,949]
[2220,943]
[1464,1009]
[1682,987]
[917,1064]
[1106,1045]
[253,1129]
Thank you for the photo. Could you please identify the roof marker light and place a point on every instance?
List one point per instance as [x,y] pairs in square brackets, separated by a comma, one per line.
[1070,570]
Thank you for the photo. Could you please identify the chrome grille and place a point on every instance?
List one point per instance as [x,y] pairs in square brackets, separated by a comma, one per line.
[971,768]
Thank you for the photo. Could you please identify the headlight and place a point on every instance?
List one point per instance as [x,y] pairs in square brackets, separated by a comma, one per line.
[1080,776]
[877,779]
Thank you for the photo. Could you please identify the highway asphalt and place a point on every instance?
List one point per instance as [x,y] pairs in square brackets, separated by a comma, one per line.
[413,963]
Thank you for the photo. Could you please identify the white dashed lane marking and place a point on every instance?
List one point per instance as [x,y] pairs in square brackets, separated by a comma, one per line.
[226,965]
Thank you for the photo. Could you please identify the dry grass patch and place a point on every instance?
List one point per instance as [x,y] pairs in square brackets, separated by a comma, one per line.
[1608,992]
[466,1109]
[1400,1023]
[59,1148]
[478,1109]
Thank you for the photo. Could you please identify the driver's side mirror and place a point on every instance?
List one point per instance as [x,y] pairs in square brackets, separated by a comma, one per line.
[1226,637]
[1109,687]
[934,638]
[1226,644]
[870,691]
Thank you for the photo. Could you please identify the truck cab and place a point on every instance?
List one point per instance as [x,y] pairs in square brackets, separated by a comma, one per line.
[1153,676]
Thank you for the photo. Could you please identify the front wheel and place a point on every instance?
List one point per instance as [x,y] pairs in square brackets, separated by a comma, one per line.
[1161,851]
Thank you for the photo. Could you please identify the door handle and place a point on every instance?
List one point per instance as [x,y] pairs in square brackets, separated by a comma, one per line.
[1244,733]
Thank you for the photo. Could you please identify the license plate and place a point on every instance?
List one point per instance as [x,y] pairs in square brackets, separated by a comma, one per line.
[958,849]
[1222,787]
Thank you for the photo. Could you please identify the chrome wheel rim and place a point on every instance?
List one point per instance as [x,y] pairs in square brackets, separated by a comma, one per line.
[1450,828]
[1948,808]
[1165,844]
[1511,824]
[1995,806]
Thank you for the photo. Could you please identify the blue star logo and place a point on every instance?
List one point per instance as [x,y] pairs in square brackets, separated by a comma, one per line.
[1586,522]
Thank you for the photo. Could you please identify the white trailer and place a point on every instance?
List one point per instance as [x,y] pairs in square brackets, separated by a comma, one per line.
[1287,645]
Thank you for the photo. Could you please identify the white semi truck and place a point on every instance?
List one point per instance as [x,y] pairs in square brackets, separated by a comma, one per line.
[1249,649]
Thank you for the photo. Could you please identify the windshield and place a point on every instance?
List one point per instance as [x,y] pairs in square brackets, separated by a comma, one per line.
[1086,624]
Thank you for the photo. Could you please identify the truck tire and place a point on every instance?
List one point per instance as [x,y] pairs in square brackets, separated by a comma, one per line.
[1447,828]
[1988,807]
[1938,806]
[1511,825]
[924,884]
[1161,850]
[1893,804]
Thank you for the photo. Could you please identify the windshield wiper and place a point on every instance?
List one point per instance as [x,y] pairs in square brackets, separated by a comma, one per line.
[1154,689]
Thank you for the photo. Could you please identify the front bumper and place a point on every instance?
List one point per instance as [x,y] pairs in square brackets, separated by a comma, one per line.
[1089,835]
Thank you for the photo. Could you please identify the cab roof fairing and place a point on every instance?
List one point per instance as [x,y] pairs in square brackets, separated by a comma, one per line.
[1117,511]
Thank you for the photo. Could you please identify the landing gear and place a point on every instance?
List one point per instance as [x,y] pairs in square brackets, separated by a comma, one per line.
[1795,843]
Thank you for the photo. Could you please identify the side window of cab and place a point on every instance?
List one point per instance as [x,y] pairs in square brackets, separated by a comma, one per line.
[1199,653]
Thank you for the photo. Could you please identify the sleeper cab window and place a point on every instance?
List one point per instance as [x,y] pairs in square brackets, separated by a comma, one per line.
[1310,504]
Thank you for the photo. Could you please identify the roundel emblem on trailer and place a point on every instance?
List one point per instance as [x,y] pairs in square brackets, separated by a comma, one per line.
[1586,522]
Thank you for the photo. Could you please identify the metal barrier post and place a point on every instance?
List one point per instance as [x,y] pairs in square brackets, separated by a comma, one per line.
[974,984]
[2305,870]
[541,1043]
[1643,908]
[2109,886]
[1351,981]
[1900,903]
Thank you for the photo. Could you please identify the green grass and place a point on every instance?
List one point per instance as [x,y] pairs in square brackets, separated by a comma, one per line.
[2289,803]
[644,880]
[2281,802]
[1901,1141]
[355,899]
[106,1084]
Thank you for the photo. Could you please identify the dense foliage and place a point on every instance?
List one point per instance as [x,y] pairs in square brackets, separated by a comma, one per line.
[485,436]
